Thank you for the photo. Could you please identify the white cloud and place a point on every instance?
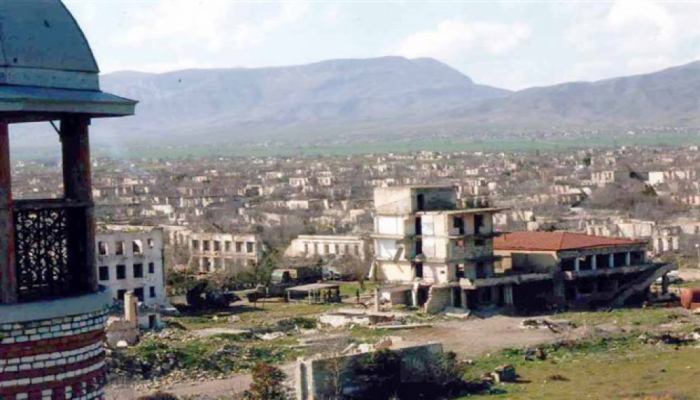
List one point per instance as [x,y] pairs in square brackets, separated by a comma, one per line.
[184,27]
[631,36]
[452,40]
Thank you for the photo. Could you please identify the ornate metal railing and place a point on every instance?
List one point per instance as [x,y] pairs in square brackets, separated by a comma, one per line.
[43,248]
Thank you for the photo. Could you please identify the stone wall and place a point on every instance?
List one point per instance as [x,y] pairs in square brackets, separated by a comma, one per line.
[315,378]
[53,358]
[439,298]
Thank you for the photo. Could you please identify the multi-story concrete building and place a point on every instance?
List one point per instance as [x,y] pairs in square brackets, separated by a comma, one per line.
[132,261]
[425,243]
[216,251]
[329,246]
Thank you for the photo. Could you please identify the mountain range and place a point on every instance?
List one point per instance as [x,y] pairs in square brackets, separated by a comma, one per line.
[371,99]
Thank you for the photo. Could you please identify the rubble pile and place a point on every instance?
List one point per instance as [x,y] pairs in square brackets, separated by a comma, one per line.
[171,357]
[677,338]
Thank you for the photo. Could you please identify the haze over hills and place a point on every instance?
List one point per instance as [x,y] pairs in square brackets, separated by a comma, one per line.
[384,98]
[667,97]
[244,102]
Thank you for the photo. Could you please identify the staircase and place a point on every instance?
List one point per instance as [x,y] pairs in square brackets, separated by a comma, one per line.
[640,284]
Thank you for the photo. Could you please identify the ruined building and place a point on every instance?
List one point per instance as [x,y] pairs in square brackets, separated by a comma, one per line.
[573,269]
[426,243]
[432,252]
[132,261]
[52,310]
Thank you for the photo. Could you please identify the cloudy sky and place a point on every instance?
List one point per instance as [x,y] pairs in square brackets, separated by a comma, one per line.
[511,44]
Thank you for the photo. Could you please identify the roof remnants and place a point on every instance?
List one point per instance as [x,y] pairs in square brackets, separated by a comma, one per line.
[557,241]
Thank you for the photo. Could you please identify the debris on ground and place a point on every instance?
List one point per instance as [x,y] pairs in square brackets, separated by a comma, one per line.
[556,326]
[501,374]
[679,338]
[536,353]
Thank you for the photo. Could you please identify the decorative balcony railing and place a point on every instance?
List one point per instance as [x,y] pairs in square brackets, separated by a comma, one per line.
[44,248]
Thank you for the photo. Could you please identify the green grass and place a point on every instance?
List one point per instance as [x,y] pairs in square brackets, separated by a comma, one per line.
[624,317]
[622,368]
[349,288]
[410,145]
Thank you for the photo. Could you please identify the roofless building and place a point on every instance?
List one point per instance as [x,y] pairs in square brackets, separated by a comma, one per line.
[52,310]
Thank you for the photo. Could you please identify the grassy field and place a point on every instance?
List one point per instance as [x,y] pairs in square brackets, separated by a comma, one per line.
[393,146]
[264,314]
[611,369]
[615,365]
[625,317]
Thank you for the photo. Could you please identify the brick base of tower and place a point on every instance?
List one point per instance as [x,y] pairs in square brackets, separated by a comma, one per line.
[56,357]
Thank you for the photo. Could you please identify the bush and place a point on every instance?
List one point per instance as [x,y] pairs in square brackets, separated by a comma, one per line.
[267,384]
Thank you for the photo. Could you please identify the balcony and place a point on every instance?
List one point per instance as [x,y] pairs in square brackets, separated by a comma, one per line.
[50,242]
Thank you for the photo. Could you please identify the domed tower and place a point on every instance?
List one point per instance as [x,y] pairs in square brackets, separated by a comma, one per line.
[52,311]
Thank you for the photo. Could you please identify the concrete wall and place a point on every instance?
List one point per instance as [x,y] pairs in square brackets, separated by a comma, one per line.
[392,225]
[537,260]
[388,271]
[393,201]
[439,298]
[317,379]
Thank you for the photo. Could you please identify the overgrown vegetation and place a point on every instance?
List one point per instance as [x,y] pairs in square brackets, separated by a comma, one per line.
[222,354]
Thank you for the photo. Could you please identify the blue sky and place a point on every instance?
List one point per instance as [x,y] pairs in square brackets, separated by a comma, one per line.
[510,44]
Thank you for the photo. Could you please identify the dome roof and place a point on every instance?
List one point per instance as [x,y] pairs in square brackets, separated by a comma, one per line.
[43,52]
[42,45]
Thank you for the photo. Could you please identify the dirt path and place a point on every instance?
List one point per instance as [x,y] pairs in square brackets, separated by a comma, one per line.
[474,338]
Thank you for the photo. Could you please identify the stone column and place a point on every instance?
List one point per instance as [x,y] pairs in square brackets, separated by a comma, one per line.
[594,262]
[464,298]
[8,274]
[628,258]
[577,264]
[612,260]
[77,183]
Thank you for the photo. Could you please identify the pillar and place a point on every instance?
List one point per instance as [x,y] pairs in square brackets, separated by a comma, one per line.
[77,184]
[628,258]
[377,301]
[594,262]
[664,284]
[8,274]
[559,289]
[577,264]
[131,313]
[464,299]
[612,260]
[508,295]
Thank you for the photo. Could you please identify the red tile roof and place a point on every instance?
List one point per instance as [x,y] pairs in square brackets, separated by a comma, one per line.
[556,241]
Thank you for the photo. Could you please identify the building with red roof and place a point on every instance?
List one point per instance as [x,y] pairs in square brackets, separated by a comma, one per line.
[574,268]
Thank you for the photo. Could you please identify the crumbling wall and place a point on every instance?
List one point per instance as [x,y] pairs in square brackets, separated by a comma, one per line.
[318,379]
[439,298]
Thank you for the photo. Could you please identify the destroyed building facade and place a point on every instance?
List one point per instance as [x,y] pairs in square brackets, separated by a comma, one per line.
[132,261]
[573,269]
[426,242]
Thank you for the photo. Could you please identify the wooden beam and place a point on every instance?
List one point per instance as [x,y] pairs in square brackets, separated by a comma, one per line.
[8,273]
